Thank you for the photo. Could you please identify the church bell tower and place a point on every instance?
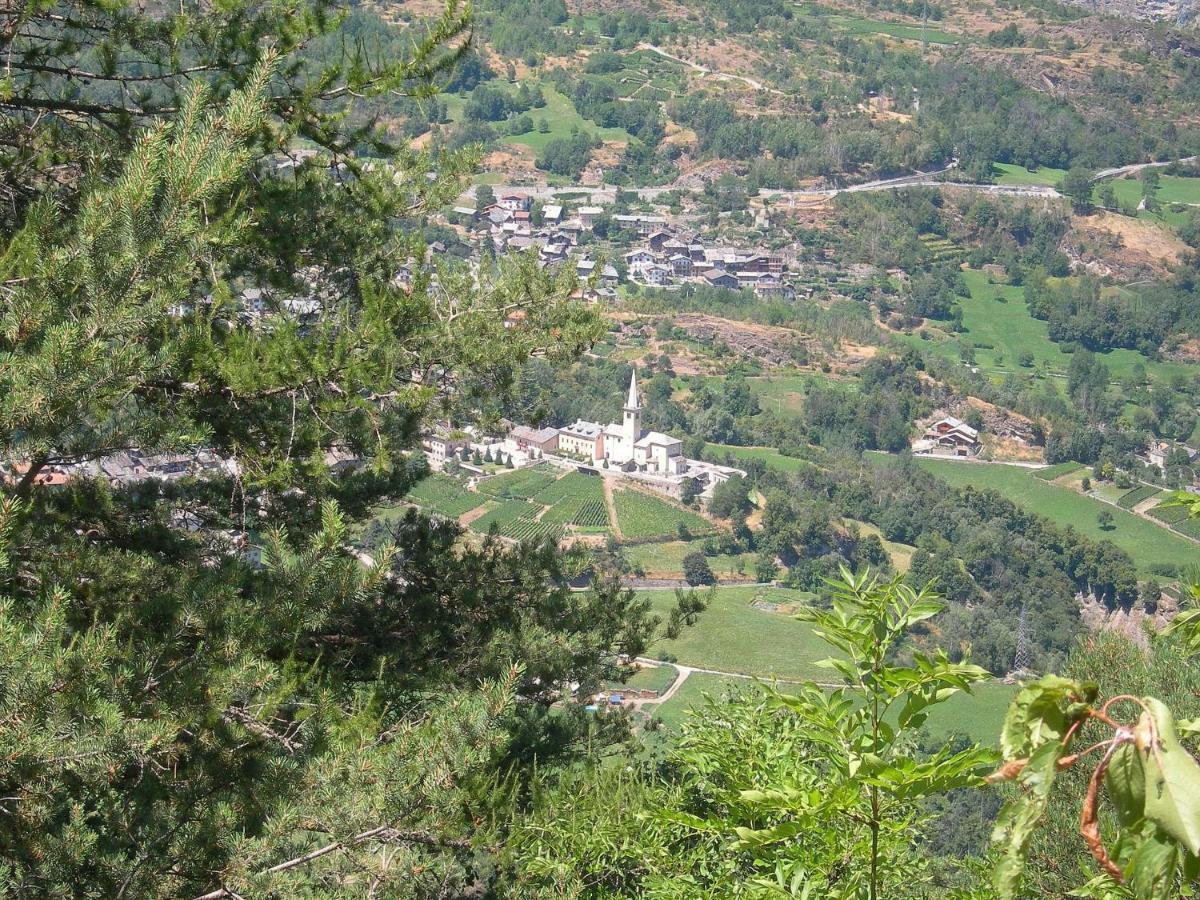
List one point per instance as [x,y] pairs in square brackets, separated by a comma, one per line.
[633,414]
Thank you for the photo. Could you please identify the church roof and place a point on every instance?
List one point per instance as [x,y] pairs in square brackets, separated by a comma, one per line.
[631,401]
[657,439]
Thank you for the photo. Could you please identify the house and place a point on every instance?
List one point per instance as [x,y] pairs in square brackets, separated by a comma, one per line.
[498,215]
[50,476]
[609,276]
[949,437]
[657,239]
[252,302]
[681,265]
[589,214]
[603,295]
[441,447]
[584,268]
[656,275]
[514,203]
[720,279]
[643,225]
[636,259]
[539,439]
[772,286]
[761,262]
[552,214]
[582,438]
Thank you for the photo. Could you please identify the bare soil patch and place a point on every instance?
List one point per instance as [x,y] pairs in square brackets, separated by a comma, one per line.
[1122,244]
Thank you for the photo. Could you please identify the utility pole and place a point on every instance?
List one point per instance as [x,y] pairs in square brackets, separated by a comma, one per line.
[1023,658]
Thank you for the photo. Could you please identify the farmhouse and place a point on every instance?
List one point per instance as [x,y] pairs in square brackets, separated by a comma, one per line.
[439,447]
[948,437]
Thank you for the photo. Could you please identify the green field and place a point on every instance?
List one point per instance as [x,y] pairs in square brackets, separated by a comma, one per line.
[642,517]
[855,25]
[649,678]
[1057,471]
[978,715]
[1130,499]
[998,324]
[560,114]
[666,559]
[784,392]
[734,636]
[1148,544]
[1008,173]
[445,496]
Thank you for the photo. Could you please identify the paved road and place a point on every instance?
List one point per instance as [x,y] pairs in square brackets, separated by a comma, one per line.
[607,194]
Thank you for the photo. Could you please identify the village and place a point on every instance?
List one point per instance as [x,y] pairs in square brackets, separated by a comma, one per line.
[667,254]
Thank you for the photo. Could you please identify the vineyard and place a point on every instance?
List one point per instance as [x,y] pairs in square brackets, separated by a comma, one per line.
[643,517]
[1137,495]
[576,500]
[520,484]
[516,519]
[1176,517]
[444,496]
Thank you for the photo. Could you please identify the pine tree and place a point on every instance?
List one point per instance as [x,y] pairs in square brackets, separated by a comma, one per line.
[178,717]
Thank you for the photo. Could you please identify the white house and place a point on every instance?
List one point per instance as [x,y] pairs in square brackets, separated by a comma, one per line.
[659,453]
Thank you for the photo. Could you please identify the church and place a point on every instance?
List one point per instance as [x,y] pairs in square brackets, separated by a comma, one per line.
[626,445]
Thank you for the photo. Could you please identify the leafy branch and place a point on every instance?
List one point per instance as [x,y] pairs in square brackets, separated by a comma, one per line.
[1152,784]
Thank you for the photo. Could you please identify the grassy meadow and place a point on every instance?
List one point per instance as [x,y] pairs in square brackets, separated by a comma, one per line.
[1147,543]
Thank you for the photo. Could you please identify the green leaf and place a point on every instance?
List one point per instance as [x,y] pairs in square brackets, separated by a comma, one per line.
[1125,780]
[1042,711]
[1016,823]
[1172,777]
[1151,870]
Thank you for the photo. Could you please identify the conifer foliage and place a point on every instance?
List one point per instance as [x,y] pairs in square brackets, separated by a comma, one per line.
[207,687]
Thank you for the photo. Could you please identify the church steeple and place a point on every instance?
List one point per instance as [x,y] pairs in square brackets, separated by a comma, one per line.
[631,401]
[633,414]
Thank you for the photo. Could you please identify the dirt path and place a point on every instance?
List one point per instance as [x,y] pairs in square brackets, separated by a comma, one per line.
[1137,167]
[478,512]
[1143,508]
[705,70]
[612,509]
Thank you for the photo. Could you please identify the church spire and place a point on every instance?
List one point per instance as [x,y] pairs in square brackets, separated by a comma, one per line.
[632,401]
